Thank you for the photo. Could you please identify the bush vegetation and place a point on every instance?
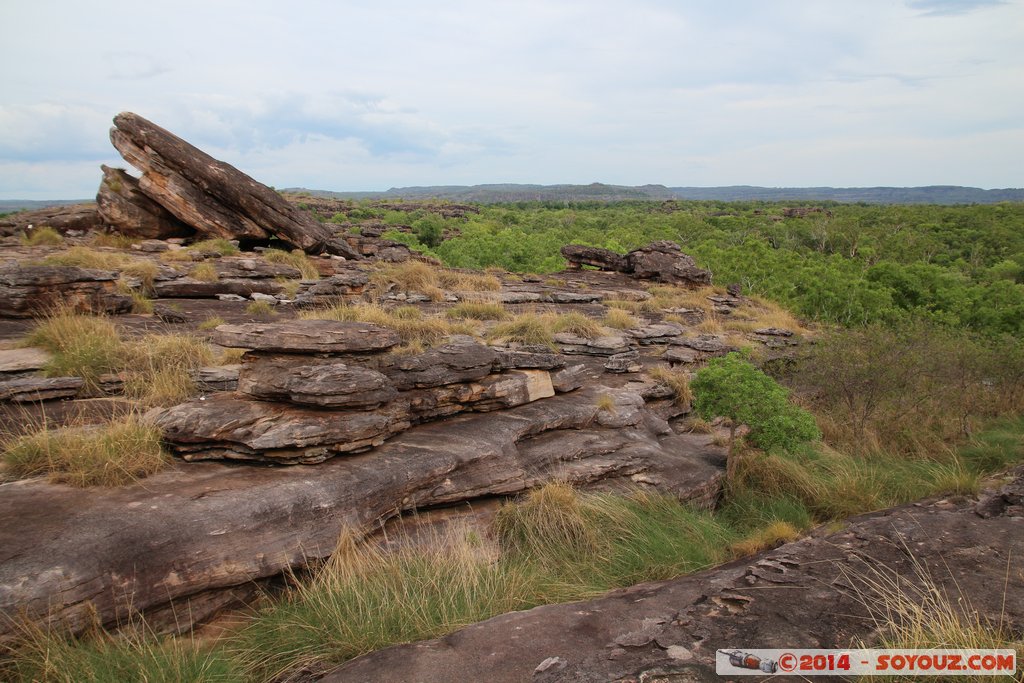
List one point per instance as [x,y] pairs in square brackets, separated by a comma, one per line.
[43,236]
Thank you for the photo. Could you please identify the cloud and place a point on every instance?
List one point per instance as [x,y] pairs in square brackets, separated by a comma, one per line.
[950,7]
[126,65]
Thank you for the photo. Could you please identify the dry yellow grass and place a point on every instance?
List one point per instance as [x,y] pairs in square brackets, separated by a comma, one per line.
[619,319]
[411,325]
[478,310]
[774,534]
[113,454]
[417,276]
[43,236]
[296,259]
[260,309]
[204,272]
[677,380]
[575,323]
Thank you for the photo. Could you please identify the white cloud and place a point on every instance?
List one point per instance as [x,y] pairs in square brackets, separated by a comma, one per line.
[354,95]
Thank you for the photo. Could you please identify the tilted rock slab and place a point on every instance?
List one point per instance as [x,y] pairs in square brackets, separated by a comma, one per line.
[212,197]
[808,594]
[190,534]
[29,290]
[124,207]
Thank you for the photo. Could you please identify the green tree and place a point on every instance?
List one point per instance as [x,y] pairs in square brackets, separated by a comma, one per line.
[732,387]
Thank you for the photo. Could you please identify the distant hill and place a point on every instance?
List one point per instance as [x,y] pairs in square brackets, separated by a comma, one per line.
[489,194]
[9,205]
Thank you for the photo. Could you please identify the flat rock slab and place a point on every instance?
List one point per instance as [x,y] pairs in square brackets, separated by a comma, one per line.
[326,382]
[29,359]
[26,389]
[213,527]
[228,426]
[808,594]
[307,336]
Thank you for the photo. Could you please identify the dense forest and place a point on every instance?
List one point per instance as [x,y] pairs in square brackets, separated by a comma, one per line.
[961,266]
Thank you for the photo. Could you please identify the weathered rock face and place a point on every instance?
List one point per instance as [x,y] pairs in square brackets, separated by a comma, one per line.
[325,382]
[61,218]
[461,360]
[307,336]
[210,196]
[663,261]
[224,426]
[812,593]
[27,389]
[605,259]
[125,208]
[341,287]
[27,290]
[208,528]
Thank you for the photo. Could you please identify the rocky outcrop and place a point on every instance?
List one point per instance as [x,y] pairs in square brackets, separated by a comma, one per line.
[662,261]
[81,217]
[212,197]
[193,533]
[313,389]
[813,593]
[343,287]
[28,389]
[665,262]
[29,290]
[123,207]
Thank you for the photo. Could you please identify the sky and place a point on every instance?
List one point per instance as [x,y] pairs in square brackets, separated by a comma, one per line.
[372,94]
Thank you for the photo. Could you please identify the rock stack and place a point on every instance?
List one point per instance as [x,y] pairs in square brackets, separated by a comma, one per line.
[312,389]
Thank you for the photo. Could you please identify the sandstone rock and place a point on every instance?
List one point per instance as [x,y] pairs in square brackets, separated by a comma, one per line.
[339,288]
[307,336]
[628,361]
[213,197]
[514,388]
[224,426]
[168,314]
[706,343]
[537,360]
[519,297]
[572,297]
[27,290]
[657,333]
[665,262]
[326,382]
[27,389]
[17,361]
[569,378]
[242,268]
[81,217]
[460,360]
[599,346]
[690,316]
[678,354]
[773,332]
[123,206]
[190,288]
[605,259]
[197,531]
[218,378]
[670,630]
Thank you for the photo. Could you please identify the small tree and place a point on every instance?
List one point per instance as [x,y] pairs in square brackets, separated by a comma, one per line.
[733,388]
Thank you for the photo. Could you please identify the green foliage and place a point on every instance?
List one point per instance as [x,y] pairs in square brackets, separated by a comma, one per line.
[429,229]
[731,387]
[962,265]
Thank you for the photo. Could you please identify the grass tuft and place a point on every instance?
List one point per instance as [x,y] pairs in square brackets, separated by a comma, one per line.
[204,272]
[296,259]
[113,454]
[578,324]
[220,246]
[260,309]
[477,310]
[525,328]
[619,319]
[677,380]
[42,236]
[83,346]
[410,324]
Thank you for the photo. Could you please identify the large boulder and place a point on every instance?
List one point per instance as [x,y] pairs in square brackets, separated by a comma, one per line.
[665,261]
[662,261]
[213,197]
[30,290]
[124,207]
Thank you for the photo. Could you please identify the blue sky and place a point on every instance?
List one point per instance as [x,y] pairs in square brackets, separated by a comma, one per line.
[366,95]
